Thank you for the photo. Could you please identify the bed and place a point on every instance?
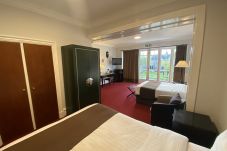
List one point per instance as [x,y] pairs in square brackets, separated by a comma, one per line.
[100,128]
[148,91]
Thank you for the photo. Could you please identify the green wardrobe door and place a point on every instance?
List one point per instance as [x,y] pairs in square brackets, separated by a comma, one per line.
[87,67]
[70,83]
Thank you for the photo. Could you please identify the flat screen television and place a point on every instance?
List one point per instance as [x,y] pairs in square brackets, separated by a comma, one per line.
[116,61]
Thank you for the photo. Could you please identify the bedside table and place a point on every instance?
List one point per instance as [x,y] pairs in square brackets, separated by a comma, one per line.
[197,127]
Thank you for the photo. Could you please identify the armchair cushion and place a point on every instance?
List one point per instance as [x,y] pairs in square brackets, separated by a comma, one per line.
[164,99]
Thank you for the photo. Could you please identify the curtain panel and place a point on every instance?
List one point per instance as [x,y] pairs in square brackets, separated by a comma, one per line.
[130,65]
[181,52]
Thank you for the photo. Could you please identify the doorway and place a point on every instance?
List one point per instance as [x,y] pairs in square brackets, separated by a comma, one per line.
[198,12]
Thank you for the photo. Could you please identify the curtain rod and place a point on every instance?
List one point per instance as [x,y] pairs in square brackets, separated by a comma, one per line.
[154,47]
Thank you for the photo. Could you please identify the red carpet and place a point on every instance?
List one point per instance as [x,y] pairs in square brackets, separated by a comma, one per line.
[114,95]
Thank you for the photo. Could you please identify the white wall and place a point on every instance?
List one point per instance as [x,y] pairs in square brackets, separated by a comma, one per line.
[106,63]
[20,23]
[212,90]
[222,109]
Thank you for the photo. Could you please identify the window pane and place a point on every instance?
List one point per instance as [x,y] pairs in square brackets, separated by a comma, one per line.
[143,65]
[165,64]
[153,72]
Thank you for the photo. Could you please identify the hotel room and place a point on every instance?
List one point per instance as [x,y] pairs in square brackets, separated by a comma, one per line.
[113,75]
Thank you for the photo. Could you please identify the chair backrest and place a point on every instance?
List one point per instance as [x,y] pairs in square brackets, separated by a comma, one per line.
[162,115]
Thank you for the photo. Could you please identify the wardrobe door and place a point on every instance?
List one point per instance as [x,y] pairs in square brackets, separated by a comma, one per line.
[70,80]
[95,74]
[87,67]
[42,83]
[15,115]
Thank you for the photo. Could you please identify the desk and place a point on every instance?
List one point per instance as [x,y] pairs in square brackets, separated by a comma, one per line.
[104,76]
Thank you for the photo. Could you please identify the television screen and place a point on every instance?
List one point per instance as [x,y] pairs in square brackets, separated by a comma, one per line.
[116,61]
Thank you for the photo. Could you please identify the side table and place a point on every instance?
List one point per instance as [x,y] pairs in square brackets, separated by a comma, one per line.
[197,127]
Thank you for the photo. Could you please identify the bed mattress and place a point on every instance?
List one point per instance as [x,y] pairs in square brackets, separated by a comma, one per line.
[163,88]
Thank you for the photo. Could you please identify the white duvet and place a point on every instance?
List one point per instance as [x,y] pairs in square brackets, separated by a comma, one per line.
[122,133]
[165,88]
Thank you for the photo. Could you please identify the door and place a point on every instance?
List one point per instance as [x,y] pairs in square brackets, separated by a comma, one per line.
[70,79]
[143,70]
[42,83]
[165,64]
[153,61]
[15,115]
[87,67]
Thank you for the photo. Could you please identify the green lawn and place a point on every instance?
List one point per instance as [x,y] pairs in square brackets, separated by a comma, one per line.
[164,69]
[164,76]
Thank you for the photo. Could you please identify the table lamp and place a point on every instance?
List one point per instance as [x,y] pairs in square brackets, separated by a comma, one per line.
[182,64]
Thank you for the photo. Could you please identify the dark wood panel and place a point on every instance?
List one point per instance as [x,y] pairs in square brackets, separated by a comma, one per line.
[42,83]
[15,116]
[70,79]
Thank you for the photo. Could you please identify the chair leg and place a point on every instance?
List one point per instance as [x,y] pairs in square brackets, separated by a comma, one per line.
[129,95]
[132,93]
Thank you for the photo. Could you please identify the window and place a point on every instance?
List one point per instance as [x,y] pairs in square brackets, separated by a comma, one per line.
[153,72]
[157,64]
[143,65]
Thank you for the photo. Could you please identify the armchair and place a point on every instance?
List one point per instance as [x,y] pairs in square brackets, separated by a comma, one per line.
[162,110]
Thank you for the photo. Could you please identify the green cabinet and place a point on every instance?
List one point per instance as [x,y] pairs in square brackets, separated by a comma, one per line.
[81,76]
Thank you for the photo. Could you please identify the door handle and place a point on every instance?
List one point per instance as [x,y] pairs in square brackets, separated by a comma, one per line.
[24,90]
[33,88]
[89,81]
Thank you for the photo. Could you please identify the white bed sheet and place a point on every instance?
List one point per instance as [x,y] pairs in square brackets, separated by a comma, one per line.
[122,133]
[195,147]
[165,88]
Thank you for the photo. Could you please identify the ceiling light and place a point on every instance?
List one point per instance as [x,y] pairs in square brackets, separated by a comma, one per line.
[137,37]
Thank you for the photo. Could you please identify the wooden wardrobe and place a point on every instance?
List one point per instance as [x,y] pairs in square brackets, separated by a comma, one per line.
[28,98]
[81,76]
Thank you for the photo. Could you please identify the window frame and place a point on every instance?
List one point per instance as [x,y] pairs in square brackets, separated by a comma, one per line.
[171,66]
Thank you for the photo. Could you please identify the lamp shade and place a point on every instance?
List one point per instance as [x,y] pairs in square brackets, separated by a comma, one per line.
[182,64]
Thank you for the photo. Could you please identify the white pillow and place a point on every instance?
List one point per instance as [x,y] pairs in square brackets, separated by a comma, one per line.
[220,143]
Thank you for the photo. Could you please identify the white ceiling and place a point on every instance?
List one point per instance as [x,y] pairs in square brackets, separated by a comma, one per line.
[85,13]
[181,33]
